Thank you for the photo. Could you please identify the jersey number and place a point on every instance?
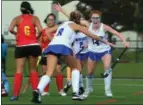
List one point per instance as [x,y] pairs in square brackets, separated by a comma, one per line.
[95,42]
[27,30]
[60,32]
[81,45]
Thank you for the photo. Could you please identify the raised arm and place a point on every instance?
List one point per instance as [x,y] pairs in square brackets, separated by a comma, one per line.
[58,8]
[12,26]
[86,32]
[118,34]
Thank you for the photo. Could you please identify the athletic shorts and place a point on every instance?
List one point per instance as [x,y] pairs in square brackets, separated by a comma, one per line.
[26,51]
[44,61]
[98,56]
[58,50]
[82,57]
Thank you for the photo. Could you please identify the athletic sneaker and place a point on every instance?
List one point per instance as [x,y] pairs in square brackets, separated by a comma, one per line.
[67,87]
[75,96]
[62,93]
[45,93]
[36,97]
[87,92]
[81,90]
[108,93]
[14,98]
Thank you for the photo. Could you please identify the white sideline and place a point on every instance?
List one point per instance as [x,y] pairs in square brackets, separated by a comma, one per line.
[132,85]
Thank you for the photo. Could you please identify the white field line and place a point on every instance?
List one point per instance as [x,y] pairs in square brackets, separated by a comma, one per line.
[132,85]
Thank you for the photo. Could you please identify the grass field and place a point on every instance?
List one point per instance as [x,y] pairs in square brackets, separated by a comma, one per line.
[125,91]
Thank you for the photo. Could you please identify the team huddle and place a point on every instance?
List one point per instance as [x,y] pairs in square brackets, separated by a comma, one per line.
[76,42]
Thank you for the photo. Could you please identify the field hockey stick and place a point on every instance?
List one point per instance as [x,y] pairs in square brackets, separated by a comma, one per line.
[75,55]
[104,75]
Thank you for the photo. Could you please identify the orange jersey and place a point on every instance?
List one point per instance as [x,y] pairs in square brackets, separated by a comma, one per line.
[26,33]
[44,41]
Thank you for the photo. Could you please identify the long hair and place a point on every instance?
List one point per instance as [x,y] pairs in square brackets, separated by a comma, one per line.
[51,14]
[75,16]
[26,8]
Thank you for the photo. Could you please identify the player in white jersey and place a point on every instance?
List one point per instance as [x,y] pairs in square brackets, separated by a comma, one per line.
[80,51]
[97,50]
[61,45]
[100,51]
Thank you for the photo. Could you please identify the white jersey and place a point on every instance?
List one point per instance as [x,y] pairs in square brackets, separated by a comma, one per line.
[80,41]
[95,45]
[64,35]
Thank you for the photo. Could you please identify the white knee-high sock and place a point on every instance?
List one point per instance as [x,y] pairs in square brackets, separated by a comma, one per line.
[107,82]
[89,80]
[43,83]
[81,81]
[75,81]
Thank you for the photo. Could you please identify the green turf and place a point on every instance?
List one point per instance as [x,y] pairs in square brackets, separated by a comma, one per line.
[126,91]
[127,70]
[123,90]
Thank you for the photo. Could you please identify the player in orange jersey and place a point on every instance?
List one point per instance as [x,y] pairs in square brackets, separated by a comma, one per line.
[26,46]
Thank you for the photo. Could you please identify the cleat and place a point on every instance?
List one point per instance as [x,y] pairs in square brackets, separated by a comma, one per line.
[36,97]
[108,93]
[87,92]
[75,96]
[81,90]
[45,94]
[67,87]
[14,98]
[62,93]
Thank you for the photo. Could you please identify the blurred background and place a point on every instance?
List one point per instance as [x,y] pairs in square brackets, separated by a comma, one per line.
[125,16]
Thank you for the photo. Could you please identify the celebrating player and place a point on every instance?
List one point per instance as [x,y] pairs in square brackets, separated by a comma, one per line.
[50,21]
[97,50]
[100,51]
[81,54]
[61,45]
[26,46]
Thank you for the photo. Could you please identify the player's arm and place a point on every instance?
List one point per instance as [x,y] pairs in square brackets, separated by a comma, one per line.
[12,26]
[38,25]
[86,32]
[58,8]
[84,22]
[118,34]
[51,30]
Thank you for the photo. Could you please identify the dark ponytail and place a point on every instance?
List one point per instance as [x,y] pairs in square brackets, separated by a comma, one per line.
[75,16]
[26,8]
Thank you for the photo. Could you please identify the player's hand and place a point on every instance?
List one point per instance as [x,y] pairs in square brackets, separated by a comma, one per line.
[126,44]
[57,7]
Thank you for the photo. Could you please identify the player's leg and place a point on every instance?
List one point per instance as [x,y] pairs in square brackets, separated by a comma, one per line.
[33,53]
[45,79]
[59,78]
[107,81]
[75,76]
[33,72]
[68,83]
[80,65]
[89,79]
[5,85]
[18,78]
[43,63]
